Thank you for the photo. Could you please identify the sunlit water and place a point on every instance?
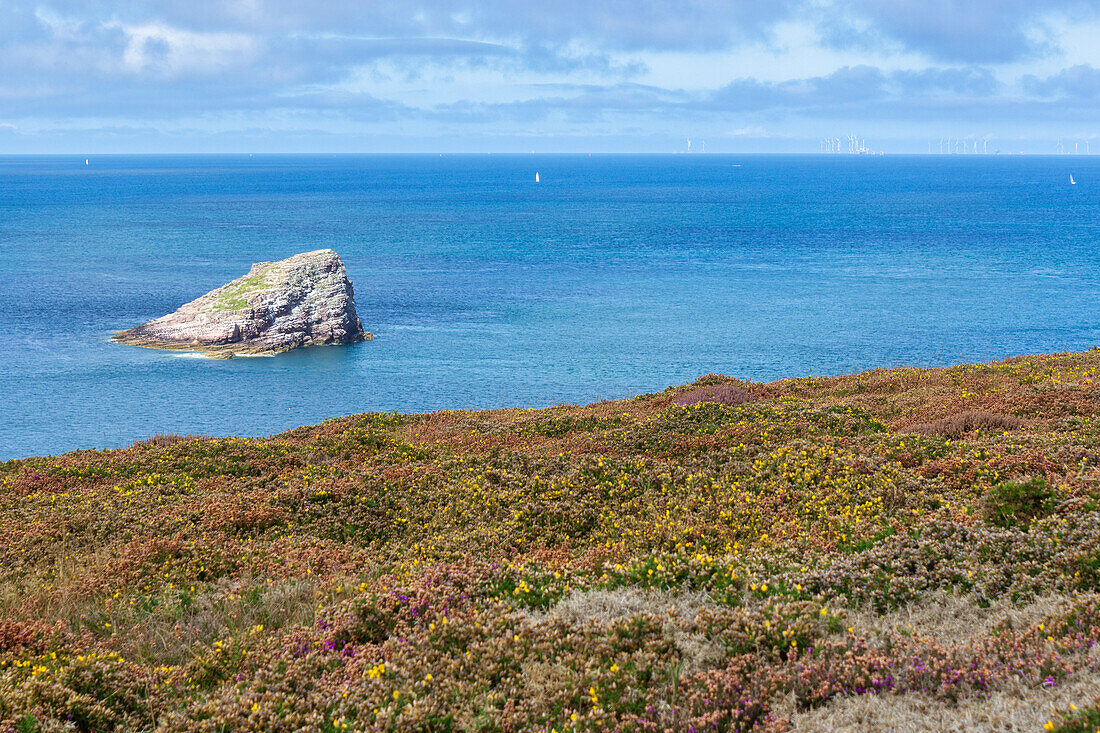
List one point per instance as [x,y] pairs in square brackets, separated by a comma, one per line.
[615,275]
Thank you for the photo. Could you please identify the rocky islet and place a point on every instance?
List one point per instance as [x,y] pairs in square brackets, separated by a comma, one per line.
[304,300]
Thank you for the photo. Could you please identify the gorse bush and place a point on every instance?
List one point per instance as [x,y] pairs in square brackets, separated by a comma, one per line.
[716,557]
[1076,720]
[1011,503]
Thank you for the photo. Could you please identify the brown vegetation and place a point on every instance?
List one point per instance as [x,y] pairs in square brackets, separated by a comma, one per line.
[163,440]
[960,424]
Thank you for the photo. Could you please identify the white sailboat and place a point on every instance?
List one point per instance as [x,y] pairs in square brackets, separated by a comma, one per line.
[536,176]
[85,161]
[1071,181]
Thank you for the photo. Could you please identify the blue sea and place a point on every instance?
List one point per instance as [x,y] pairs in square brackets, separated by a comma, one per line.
[615,275]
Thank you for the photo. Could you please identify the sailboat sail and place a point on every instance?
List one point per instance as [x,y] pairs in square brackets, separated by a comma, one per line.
[536,176]
[1071,181]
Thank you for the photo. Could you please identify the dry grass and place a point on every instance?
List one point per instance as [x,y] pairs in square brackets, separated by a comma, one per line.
[229,609]
[1023,708]
[545,681]
[953,619]
[604,607]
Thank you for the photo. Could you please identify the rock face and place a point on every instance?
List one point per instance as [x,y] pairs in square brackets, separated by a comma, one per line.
[304,300]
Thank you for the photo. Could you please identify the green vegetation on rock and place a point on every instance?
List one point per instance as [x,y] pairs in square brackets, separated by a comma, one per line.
[234,295]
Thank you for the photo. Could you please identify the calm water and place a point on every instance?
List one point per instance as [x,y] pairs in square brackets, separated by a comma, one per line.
[616,275]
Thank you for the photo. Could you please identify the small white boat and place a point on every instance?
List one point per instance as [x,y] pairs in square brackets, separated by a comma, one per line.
[85,161]
[1071,181]
[536,176]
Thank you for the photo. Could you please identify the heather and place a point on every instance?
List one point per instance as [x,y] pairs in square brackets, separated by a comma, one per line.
[912,547]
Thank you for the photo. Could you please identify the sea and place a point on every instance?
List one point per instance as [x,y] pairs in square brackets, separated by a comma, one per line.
[614,275]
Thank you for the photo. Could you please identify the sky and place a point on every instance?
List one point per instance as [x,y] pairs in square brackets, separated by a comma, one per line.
[257,76]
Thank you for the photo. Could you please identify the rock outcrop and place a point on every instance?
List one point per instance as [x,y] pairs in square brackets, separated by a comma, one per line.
[304,300]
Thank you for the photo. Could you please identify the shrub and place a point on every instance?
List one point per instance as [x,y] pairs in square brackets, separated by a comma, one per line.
[163,440]
[723,394]
[1018,502]
[956,426]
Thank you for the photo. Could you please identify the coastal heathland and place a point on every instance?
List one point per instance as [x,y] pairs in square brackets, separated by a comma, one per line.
[902,549]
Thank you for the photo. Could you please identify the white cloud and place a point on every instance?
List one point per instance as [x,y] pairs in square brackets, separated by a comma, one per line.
[750,131]
[738,71]
[163,50]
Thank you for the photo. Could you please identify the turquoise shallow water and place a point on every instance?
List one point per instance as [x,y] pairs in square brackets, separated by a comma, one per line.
[615,275]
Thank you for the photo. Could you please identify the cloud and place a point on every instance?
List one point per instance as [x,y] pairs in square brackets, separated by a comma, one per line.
[450,66]
[841,88]
[693,25]
[178,36]
[167,51]
[969,31]
[609,24]
[859,91]
[1080,82]
[960,81]
[159,56]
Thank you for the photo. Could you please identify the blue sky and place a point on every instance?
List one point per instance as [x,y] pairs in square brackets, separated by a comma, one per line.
[569,75]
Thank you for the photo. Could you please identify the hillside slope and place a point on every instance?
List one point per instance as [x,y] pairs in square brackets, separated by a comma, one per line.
[901,548]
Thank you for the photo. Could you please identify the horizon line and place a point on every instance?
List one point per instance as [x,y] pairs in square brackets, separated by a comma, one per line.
[878,154]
